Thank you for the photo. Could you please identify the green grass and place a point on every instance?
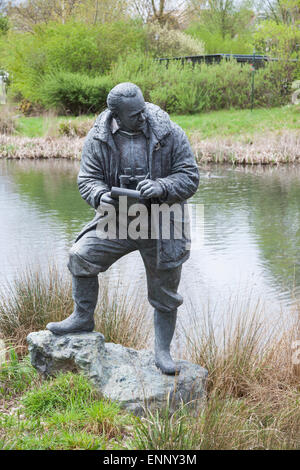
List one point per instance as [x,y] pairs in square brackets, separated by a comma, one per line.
[213,124]
[67,413]
[64,413]
[16,376]
[39,126]
[238,122]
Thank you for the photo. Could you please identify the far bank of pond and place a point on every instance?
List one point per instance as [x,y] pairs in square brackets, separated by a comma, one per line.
[251,231]
[272,148]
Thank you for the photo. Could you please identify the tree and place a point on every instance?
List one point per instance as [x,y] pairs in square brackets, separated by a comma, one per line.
[164,12]
[279,33]
[281,11]
[103,11]
[25,16]
[223,25]
[226,17]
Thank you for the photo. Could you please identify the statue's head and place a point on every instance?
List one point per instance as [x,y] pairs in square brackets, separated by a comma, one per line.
[126,102]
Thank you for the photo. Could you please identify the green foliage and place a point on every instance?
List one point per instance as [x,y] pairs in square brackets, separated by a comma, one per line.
[163,430]
[68,392]
[75,93]
[165,42]
[4,25]
[64,413]
[215,43]
[72,47]
[185,89]
[238,123]
[273,83]
[223,26]
[177,88]
[15,376]
[277,39]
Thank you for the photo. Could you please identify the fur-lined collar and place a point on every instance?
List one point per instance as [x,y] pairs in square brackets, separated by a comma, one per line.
[158,121]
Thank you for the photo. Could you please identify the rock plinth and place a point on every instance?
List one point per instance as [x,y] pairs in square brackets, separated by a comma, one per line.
[121,374]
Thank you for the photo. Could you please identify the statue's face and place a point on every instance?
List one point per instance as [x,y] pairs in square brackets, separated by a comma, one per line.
[131,113]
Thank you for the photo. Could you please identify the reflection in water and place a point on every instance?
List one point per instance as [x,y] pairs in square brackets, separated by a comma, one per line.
[251,230]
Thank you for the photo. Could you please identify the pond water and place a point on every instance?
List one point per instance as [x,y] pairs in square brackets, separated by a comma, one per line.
[251,231]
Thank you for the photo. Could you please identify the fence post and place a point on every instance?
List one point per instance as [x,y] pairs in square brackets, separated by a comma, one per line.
[253,84]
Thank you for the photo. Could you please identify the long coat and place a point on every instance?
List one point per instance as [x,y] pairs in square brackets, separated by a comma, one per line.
[171,161]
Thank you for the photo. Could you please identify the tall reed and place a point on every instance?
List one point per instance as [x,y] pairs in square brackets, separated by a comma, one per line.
[37,297]
[34,298]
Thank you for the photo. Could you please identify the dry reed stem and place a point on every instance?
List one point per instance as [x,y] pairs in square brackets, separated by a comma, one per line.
[269,148]
[272,148]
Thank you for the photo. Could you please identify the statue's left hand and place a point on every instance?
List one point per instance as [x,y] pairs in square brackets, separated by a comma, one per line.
[150,188]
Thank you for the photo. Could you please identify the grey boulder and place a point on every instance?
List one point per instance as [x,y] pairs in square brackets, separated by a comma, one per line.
[121,374]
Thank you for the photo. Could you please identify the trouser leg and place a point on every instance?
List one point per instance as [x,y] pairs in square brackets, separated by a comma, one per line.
[89,256]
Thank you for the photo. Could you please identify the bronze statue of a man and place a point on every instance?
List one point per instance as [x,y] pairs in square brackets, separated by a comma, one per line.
[136,143]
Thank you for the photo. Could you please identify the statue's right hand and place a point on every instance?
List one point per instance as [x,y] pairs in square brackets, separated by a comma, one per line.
[107,199]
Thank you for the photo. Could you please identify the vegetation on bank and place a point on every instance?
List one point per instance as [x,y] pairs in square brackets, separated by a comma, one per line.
[50,71]
[253,386]
[222,123]
[177,88]
[267,136]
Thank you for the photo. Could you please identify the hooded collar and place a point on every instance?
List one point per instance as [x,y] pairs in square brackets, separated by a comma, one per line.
[158,121]
[114,127]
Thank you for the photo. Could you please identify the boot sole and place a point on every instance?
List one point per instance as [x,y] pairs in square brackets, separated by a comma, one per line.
[167,372]
[62,333]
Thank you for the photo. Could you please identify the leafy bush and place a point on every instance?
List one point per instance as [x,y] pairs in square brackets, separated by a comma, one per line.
[75,93]
[277,39]
[71,47]
[273,84]
[4,25]
[215,43]
[181,89]
[162,41]
[176,87]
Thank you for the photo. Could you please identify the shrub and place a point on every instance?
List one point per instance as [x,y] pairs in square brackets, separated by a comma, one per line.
[162,41]
[215,43]
[273,84]
[74,47]
[4,25]
[75,93]
[184,88]
[277,38]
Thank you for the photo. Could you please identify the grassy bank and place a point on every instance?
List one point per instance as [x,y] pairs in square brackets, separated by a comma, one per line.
[253,386]
[207,125]
[264,136]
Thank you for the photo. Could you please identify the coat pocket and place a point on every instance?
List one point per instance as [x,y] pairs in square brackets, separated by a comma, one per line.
[175,247]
